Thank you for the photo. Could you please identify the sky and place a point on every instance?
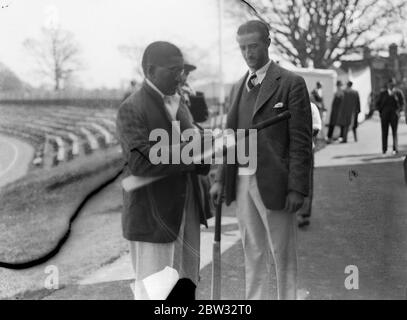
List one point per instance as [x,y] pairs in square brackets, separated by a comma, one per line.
[102,26]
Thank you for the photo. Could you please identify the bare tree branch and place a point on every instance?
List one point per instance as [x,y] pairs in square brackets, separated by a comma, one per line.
[323,31]
[56,55]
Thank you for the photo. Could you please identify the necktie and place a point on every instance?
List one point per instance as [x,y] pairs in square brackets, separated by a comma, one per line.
[250,83]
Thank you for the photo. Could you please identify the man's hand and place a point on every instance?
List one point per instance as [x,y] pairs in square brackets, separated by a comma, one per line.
[216,192]
[294,201]
[398,112]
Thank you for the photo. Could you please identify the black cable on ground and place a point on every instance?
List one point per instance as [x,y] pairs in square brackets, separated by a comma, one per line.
[61,242]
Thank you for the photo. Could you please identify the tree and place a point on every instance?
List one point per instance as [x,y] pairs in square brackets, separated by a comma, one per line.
[56,54]
[134,53]
[324,31]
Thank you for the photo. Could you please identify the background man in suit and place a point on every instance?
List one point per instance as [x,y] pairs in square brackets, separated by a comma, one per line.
[160,220]
[349,112]
[336,110]
[390,103]
[194,99]
[268,199]
[304,214]
[131,89]
[317,98]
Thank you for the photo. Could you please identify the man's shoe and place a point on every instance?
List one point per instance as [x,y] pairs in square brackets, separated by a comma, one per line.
[184,290]
[395,152]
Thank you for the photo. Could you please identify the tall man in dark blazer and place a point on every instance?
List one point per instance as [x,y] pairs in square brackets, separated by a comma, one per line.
[268,199]
[390,103]
[161,220]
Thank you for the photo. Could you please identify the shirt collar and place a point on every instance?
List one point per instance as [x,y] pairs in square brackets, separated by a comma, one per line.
[260,73]
[171,103]
[162,95]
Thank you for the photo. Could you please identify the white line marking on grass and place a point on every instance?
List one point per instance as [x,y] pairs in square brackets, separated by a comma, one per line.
[106,134]
[13,162]
[61,149]
[75,143]
[91,138]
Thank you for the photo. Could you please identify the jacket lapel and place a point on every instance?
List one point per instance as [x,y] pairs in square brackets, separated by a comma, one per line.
[184,116]
[235,98]
[268,87]
[159,102]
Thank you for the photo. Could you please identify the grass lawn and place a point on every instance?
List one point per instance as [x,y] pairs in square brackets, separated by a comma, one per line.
[95,240]
[35,211]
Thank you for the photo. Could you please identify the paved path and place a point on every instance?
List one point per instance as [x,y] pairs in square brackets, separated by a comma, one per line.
[122,269]
[366,151]
[359,219]
[15,158]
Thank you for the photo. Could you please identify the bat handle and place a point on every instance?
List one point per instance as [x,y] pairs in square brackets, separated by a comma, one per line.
[218,217]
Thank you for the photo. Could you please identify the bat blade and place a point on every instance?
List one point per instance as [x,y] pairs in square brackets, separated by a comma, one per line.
[216,272]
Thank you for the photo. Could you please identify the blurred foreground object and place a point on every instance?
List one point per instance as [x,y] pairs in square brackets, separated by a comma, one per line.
[156,286]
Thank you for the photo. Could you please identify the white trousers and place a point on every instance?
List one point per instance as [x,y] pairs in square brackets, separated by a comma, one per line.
[181,254]
[264,231]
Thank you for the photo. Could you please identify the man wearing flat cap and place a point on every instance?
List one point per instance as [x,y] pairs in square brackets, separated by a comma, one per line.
[195,99]
[160,220]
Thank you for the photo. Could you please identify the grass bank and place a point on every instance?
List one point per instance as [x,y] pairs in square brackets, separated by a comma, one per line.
[35,210]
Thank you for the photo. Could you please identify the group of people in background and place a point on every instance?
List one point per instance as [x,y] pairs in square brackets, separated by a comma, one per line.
[346,108]
[345,112]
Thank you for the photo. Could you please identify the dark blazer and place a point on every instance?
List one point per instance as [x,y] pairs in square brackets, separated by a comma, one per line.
[152,213]
[336,108]
[390,104]
[284,151]
[350,107]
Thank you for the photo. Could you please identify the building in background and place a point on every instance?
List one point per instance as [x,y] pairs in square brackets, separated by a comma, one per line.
[311,76]
[371,73]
